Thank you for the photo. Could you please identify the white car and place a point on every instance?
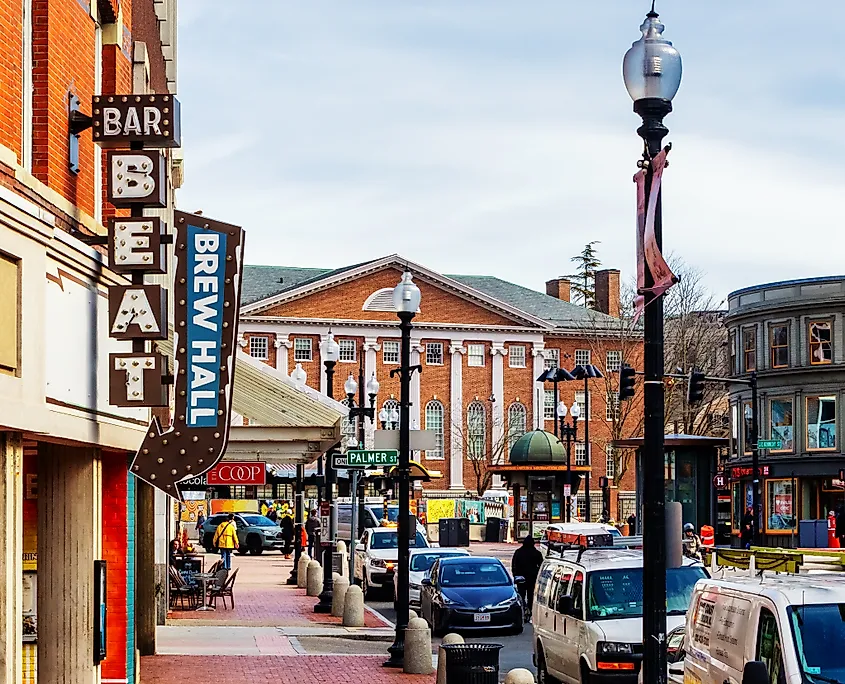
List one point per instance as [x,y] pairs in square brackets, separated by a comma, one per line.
[420,563]
[375,558]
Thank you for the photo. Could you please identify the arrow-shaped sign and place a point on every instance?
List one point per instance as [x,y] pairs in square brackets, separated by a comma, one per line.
[206,292]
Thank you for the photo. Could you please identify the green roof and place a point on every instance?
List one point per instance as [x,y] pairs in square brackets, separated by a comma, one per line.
[537,446]
[262,282]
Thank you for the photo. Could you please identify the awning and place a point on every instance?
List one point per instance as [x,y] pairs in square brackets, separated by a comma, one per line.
[417,472]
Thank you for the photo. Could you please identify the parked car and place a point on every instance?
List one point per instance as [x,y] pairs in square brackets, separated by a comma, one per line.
[587,614]
[256,533]
[375,558]
[793,624]
[471,593]
[420,563]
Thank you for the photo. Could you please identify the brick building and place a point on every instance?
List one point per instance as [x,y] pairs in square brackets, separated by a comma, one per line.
[67,498]
[481,342]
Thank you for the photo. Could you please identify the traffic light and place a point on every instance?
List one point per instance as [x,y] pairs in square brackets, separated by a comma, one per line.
[627,377]
[695,387]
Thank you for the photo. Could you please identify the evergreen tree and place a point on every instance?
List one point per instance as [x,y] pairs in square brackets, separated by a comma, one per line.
[584,279]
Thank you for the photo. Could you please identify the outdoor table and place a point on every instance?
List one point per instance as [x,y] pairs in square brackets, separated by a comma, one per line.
[204,576]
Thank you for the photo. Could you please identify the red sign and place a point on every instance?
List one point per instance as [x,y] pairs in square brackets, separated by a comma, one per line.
[720,481]
[746,471]
[238,473]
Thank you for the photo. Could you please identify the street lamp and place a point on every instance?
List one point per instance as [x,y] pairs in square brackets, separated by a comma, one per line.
[652,74]
[299,376]
[389,418]
[571,433]
[359,412]
[406,301]
[331,354]
[586,372]
[555,375]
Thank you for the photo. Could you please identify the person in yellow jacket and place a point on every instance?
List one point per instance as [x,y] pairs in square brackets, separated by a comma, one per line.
[226,539]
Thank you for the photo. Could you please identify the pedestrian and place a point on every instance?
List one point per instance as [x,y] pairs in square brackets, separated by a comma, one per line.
[526,563]
[200,522]
[226,539]
[632,524]
[286,525]
[746,532]
[692,542]
[605,517]
[272,515]
[312,529]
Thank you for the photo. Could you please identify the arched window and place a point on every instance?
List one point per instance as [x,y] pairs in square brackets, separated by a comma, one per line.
[390,405]
[380,300]
[434,422]
[476,431]
[348,428]
[517,422]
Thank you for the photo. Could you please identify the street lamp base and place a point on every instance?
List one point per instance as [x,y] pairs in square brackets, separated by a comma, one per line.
[325,604]
[293,579]
[397,654]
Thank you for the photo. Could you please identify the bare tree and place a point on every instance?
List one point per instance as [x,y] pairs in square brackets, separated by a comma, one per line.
[694,338]
[481,450]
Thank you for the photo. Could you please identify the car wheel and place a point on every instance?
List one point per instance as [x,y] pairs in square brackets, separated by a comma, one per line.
[586,677]
[368,592]
[518,628]
[391,593]
[242,550]
[543,676]
[254,544]
[208,542]
[438,629]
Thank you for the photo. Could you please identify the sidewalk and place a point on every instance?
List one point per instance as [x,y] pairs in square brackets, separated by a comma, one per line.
[272,635]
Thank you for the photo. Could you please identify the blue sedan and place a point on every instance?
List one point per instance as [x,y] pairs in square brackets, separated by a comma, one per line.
[467,593]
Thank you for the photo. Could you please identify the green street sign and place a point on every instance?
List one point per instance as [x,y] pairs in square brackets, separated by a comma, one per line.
[382,457]
[769,444]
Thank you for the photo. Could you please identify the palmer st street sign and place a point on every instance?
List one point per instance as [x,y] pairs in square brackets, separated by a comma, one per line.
[360,458]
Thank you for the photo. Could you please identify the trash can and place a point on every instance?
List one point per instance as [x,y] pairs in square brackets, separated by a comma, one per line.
[493,532]
[472,663]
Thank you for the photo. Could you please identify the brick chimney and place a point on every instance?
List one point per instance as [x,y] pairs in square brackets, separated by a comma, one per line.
[558,288]
[607,291]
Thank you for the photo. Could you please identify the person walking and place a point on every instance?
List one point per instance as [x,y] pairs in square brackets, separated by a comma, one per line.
[746,532]
[692,542]
[272,515]
[526,563]
[286,525]
[226,539]
[312,529]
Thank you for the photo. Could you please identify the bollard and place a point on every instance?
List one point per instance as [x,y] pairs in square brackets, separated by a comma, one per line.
[302,571]
[340,546]
[441,655]
[412,614]
[314,578]
[353,607]
[519,675]
[417,659]
[341,584]
[340,552]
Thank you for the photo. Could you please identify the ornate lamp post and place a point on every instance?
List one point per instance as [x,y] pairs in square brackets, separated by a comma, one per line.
[652,73]
[331,354]
[571,433]
[359,412]
[406,301]
[585,372]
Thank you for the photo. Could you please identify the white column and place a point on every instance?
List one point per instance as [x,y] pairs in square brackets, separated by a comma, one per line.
[371,348]
[282,344]
[539,365]
[499,352]
[456,402]
[11,555]
[416,408]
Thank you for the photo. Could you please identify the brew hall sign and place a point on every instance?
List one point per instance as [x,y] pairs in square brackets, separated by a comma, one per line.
[208,258]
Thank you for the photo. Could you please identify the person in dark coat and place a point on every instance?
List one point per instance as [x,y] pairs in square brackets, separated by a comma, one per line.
[746,531]
[526,562]
[286,525]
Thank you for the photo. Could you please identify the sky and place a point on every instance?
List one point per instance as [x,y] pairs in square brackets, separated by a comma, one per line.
[496,137]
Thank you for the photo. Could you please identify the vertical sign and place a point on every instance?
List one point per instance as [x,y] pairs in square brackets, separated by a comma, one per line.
[100,613]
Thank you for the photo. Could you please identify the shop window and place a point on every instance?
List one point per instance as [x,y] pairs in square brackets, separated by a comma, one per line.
[779,345]
[732,345]
[743,499]
[748,423]
[749,349]
[821,346]
[780,506]
[781,422]
[821,422]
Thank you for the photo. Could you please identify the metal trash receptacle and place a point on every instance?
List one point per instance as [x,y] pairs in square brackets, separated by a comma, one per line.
[472,663]
[493,531]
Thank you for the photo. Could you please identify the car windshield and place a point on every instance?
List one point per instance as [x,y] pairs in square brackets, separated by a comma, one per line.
[819,632]
[258,520]
[378,512]
[422,562]
[474,574]
[390,540]
[619,593]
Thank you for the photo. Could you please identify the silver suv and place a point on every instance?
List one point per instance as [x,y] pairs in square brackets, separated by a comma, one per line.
[256,533]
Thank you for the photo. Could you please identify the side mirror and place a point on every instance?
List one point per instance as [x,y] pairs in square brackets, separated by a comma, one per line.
[426,582]
[755,672]
[564,605]
[519,579]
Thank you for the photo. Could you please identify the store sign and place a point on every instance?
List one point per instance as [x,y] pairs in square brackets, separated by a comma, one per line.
[153,120]
[720,481]
[238,473]
[739,472]
[136,176]
[135,244]
[207,287]
[137,379]
[137,311]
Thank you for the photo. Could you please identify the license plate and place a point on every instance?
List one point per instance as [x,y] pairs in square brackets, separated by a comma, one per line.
[482,617]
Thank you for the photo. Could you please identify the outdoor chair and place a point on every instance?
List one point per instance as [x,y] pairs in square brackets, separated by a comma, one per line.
[214,568]
[227,589]
[180,590]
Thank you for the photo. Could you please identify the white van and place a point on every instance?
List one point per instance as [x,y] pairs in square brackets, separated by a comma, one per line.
[373,517]
[587,614]
[793,624]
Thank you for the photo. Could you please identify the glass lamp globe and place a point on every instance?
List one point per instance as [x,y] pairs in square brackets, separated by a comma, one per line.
[373,385]
[383,415]
[331,351]
[350,386]
[394,415]
[561,410]
[299,375]
[406,295]
[652,66]
[575,411]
